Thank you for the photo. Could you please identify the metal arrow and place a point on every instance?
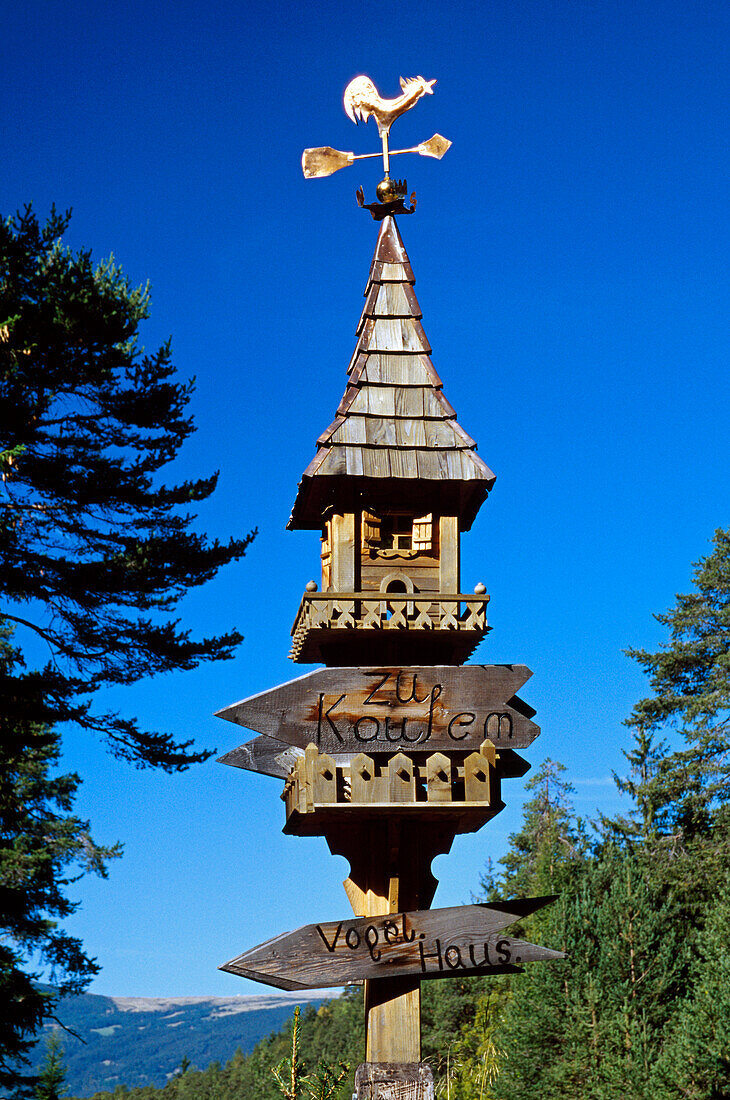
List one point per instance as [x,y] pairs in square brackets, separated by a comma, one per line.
[326,160]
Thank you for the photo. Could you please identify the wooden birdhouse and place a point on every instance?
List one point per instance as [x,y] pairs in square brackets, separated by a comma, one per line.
[394,483]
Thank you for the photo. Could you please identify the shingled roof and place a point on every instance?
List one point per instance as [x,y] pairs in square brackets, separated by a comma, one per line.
[394,429]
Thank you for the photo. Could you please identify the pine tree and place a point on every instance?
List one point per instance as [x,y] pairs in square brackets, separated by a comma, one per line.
[43,847]
[690,679]
[549,843]
[695,1060]
[95,552]
[53,1071]
[649,813]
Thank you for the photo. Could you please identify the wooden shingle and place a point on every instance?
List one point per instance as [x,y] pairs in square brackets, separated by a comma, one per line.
[394,421]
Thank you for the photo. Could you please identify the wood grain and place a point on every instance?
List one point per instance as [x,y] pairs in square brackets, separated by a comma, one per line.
[382,709]
[431,943]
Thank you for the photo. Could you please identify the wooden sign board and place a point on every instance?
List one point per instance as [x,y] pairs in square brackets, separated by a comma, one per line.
[436,708]
[267,756]
[428,943]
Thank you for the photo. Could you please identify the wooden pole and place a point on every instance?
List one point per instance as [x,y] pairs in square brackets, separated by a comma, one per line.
[390,872]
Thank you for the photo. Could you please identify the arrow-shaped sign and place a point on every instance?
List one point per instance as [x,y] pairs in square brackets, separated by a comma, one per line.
[429,943]
[268,756]
[325,160]
[434,708]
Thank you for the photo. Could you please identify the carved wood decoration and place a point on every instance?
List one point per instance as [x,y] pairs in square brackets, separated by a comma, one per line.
[319,793]
[394,433]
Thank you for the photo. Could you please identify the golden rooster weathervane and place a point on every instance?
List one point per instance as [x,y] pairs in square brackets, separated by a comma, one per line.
[362,101]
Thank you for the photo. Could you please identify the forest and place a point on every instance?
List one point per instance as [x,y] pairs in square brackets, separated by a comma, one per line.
[640,1008]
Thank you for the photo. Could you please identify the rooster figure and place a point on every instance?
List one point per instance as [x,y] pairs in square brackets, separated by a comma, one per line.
[362,100]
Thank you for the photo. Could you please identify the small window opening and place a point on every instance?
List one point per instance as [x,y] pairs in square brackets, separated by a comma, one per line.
[396,532]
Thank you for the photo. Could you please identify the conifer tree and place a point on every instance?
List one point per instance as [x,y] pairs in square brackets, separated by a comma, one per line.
[695,1060]
[43,846]
[95,551]
[549,843]
[690,680]
[53,1072]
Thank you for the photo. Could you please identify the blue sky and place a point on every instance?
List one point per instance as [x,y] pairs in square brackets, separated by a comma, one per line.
[571,261]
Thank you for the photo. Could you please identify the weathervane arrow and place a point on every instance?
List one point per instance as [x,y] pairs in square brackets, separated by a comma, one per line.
[326,160]
[363,101]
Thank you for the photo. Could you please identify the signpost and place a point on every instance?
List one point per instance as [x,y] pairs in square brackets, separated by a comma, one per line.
[396,746]
[382,710]
[431,943]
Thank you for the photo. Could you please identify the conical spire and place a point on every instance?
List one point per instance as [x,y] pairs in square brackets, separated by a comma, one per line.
[395,434]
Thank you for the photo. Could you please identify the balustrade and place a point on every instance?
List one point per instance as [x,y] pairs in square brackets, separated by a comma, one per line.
[407,611]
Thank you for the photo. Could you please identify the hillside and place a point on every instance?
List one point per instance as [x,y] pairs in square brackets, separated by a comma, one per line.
[142,1040]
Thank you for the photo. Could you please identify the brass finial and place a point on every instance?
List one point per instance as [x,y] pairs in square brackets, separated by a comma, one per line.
[363,101]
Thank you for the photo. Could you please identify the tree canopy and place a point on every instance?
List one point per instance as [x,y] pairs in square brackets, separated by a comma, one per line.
[95,554]
[95,551]
[690,682]
[43,848]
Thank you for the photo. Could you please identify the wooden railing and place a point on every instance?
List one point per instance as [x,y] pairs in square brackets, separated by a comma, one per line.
[318,783]
[388,611]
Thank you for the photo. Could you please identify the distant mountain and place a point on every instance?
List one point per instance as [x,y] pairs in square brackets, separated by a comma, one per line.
[142,1040]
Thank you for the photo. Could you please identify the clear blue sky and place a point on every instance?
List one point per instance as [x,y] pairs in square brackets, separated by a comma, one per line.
[571,255]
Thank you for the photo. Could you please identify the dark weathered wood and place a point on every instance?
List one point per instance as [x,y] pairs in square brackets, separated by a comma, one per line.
[392,348]
[267,756]
[394,1081]
[433,707]
[430,943]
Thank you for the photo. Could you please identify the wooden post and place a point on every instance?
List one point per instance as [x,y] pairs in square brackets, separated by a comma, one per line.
[449,571]
[390,872]
[343,572]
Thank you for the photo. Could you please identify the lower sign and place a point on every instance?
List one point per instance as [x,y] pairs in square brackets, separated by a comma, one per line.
[428,943]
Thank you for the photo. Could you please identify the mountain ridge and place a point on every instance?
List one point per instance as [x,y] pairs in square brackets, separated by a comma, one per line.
[111,1041]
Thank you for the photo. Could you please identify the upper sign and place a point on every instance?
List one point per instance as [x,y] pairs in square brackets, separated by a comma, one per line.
[436,708]
[429,943]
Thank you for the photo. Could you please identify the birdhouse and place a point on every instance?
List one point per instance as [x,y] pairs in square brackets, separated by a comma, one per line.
[394,483]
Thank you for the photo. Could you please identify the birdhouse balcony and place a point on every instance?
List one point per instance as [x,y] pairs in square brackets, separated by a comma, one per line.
[407,627]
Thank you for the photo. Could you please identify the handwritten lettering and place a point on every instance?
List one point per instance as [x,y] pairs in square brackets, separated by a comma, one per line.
[493,725]
[352,938]
[326,714]
[452,957]
[415,715]
[466,718]
[374,935]
[361,722]
[412,698]
[331,946]
[390,931]
[434,956]
[370,702]
[371,939]
[504,954]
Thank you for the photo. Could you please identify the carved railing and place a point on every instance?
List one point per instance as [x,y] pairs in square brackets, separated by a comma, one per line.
[388,611]
[318,783]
